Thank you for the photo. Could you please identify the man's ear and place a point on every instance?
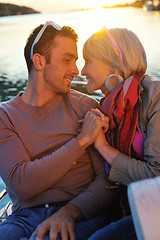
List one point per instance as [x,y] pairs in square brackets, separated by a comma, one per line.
[38,61]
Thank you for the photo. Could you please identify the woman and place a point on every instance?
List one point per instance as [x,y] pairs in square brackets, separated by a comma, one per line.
[115,62]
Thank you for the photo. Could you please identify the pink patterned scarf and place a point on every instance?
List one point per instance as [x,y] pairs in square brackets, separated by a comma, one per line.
[122,108]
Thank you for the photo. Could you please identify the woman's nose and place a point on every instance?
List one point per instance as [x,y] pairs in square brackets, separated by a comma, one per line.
[83,71]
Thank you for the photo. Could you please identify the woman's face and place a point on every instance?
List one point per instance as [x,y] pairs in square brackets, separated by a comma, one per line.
[96,72]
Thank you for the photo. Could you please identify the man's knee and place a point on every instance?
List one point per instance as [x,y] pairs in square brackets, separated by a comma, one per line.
[11,231]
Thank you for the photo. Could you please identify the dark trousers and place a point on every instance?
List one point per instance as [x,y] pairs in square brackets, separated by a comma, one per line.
[22,223]
[122,229]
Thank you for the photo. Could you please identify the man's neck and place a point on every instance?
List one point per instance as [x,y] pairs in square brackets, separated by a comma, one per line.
[35,99]
[36,95]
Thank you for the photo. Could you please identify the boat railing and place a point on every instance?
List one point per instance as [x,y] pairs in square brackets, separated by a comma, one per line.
[6,210]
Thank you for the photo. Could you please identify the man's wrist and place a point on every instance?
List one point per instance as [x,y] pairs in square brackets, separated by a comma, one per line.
[83,141]
[74,212]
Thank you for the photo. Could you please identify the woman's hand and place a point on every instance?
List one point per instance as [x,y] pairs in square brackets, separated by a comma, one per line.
[101,139]
[101,144]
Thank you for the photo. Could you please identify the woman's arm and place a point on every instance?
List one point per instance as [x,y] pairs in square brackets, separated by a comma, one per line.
[125,169]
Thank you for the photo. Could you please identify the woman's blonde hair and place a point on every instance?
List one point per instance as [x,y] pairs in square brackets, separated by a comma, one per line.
[100,46]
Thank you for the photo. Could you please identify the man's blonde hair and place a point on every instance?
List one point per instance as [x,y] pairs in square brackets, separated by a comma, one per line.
[100,46]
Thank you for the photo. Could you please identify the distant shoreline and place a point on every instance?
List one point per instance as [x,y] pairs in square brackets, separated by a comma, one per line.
[136,4]
[7,9]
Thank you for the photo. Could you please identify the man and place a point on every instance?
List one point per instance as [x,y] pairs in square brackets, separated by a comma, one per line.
[44,159]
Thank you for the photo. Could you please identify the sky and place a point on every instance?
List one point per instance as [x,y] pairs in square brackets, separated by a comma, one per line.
[64,5]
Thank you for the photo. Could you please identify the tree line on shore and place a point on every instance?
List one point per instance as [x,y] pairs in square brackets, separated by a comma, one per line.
[138,4]
[7,9]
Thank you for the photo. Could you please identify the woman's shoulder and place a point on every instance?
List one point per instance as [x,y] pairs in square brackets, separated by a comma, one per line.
[150,83]
[150,87]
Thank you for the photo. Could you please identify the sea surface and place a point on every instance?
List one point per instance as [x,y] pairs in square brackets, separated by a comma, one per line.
[14,31]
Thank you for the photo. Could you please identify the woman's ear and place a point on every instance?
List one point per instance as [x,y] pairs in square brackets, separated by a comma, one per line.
[38,61]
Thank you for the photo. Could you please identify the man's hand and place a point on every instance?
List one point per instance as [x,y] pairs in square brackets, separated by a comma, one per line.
[93,122]
[62,222]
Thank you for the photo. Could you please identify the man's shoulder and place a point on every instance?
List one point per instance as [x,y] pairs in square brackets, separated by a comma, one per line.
[79,95]
[82,102]
[7,104]
[4,105]
[81,98]
[7,107]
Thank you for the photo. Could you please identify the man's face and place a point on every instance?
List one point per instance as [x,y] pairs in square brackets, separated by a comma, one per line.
[62,68]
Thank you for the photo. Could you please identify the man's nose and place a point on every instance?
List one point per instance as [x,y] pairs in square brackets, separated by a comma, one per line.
[75,70]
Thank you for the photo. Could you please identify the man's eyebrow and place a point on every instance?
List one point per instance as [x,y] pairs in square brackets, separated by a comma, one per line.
[68,54]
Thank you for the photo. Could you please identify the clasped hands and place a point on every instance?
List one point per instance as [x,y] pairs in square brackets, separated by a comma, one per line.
[94,126]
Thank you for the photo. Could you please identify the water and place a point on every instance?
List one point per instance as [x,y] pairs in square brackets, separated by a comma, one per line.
[14,31]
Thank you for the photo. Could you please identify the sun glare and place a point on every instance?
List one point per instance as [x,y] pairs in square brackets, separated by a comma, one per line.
[101,3]
[97,3]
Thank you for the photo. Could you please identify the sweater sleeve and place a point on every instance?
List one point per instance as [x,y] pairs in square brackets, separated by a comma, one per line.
[125,169]
[19,173]
[99,193]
